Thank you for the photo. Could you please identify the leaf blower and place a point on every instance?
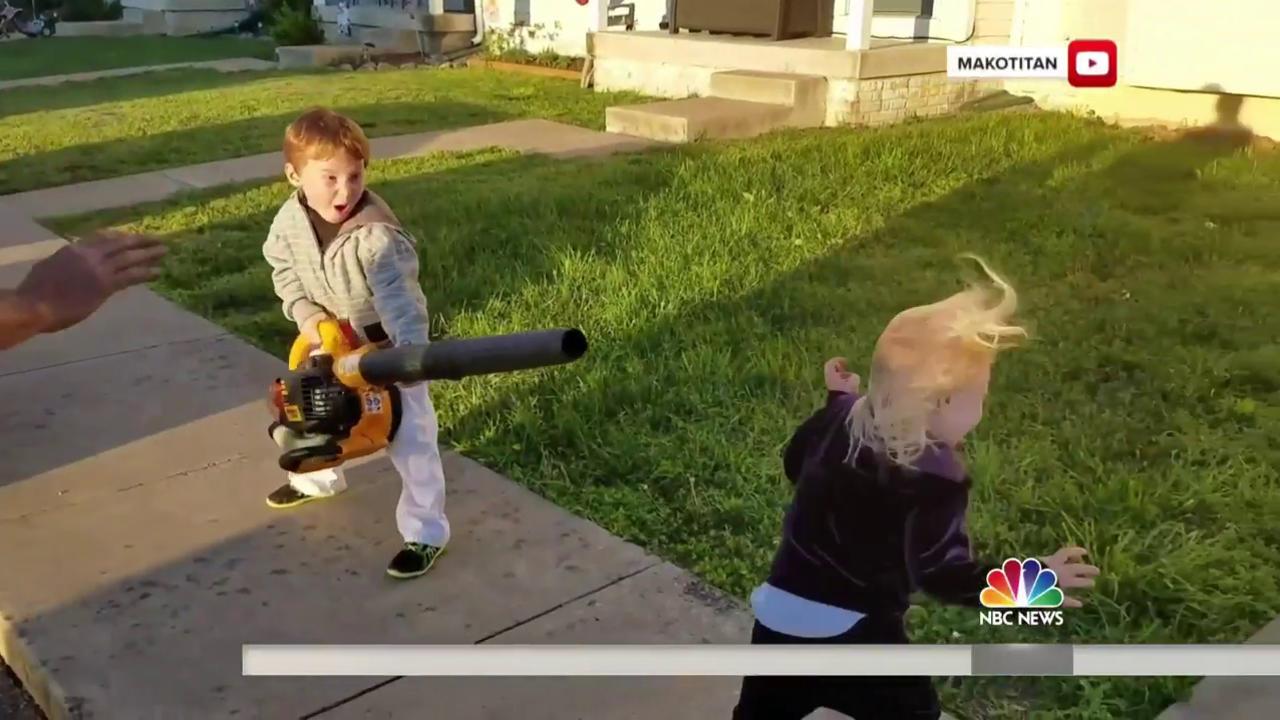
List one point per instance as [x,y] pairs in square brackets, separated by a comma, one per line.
[342,402]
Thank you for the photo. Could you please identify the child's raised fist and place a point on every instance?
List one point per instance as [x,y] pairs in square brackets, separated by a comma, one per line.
[839,379]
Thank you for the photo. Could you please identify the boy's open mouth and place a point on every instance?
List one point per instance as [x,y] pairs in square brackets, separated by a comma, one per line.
[340,209]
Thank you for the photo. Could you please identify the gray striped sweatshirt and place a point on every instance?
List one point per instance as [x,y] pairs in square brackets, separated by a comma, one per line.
[367,275]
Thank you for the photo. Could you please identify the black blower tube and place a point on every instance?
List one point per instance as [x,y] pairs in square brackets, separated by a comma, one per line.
[456,359]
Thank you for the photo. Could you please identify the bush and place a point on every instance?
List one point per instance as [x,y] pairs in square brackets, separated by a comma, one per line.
[90,10]
[293,26]
[510,45]
[271,8]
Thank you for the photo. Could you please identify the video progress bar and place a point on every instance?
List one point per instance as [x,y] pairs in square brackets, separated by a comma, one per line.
[740,660]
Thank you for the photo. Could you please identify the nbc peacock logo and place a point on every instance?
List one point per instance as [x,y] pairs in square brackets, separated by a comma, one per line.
[1021,592]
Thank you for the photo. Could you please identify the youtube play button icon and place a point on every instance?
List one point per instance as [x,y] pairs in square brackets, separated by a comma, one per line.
[1091,63]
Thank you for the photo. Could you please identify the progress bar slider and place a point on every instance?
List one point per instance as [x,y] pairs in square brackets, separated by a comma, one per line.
[740,660]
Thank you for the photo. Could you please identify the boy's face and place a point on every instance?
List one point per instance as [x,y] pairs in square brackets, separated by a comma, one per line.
[332,185]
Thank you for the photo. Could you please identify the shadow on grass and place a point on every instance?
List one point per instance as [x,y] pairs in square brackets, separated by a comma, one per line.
[471,221]
[68,96]
[645,435]
[67,55]
[667,432]
[1157,177]
[252,136]
[840,300]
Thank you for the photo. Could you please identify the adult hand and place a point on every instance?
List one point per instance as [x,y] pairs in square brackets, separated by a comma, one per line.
[71,284]
[838,377]
[1071,571]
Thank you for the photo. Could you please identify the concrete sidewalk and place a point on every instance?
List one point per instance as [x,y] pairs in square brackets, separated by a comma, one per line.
[228,65]
[132,514]
[140,555]
[529,136]
[1233,698]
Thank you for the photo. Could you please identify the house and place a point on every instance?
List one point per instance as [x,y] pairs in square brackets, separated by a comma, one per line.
[1179,63]
[882,61]
[860,62]
[563,26]
[869,62]
[394,27]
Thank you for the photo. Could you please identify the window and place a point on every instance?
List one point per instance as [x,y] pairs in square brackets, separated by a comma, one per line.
[909,7]
[522,13]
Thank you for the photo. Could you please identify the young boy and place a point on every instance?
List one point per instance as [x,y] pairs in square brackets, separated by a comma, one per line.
[337,251]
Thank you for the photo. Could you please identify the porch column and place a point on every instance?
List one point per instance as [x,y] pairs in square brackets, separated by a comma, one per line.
[599,16]
[858,27]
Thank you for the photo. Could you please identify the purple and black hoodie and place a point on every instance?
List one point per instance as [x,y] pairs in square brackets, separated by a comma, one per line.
[865,534]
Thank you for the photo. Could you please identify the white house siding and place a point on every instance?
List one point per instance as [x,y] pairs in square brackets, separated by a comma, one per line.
[564,23]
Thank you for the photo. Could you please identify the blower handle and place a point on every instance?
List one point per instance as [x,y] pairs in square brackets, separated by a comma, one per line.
[456,359]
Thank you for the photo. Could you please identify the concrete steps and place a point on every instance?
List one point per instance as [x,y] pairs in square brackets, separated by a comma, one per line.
[693,119]
[743,103]
[805,95]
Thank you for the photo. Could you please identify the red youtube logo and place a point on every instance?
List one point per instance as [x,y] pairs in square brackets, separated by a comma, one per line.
[1091,63]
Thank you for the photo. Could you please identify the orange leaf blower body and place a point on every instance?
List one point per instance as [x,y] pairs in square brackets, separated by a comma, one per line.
[342,402]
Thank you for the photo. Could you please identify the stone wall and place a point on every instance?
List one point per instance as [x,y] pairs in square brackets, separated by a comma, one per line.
[880,101]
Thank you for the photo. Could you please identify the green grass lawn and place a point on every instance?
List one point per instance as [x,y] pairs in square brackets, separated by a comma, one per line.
[109,128]
[1143,421]
[64,55]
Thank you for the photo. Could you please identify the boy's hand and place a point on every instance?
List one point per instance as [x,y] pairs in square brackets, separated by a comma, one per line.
[839,379]
[1071,572]
[311,328]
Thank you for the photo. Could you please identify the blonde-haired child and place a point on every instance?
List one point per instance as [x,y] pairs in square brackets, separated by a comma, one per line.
[879,508]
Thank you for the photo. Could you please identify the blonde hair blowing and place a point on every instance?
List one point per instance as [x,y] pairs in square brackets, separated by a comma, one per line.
[925,354]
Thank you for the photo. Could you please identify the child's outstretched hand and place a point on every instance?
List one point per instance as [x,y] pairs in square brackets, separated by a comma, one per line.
[839,379]
[1071,571]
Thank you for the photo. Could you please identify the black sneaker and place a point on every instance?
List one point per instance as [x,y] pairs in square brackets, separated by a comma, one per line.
[413,560]
[286,496]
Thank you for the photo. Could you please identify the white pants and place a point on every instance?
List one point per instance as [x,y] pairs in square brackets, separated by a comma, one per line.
[416,455]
